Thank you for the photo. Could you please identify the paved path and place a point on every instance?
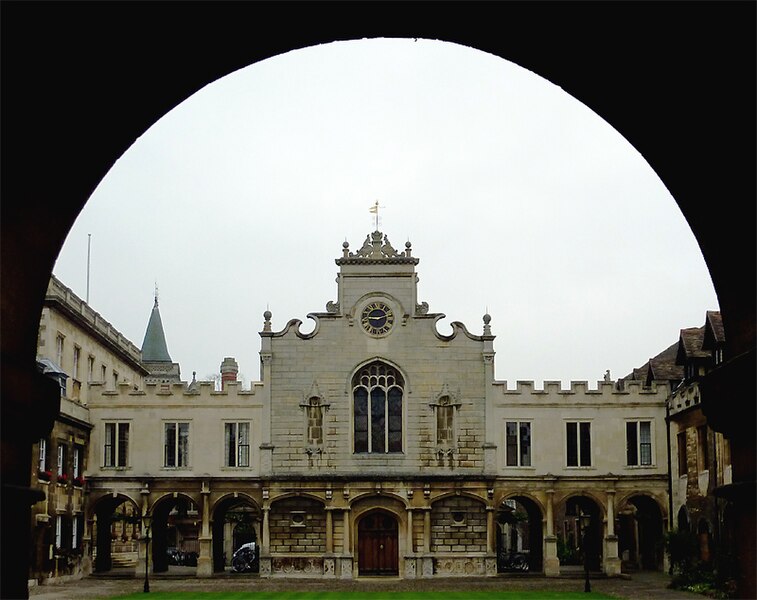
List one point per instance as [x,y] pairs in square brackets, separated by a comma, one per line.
[642,586]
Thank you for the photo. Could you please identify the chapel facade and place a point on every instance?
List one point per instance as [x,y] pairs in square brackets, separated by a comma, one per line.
[375,445]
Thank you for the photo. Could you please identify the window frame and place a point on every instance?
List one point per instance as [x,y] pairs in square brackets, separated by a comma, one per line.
[42,455]
[62,455]
[581,425]
[179,453]
[519,444]
[388,445]
[703,448]
[119,447]
[682,453]
[238,446]
[638,444]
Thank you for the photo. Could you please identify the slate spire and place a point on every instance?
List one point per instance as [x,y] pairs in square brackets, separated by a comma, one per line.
[154,347]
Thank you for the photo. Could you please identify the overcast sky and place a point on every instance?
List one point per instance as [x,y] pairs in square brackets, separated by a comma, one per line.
[517,199]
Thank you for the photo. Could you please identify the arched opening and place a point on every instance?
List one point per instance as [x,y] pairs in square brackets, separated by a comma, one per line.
[175,533]
[579,538]
[377,394]
[378,544]
[235,522]
[519,536]
[25,287]
[682,520]
[116,532]
[640,535]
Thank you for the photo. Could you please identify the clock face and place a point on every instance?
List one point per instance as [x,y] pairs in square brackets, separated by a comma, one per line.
[377,318]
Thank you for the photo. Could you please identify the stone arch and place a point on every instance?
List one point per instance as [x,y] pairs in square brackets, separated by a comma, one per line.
[456,493]
[640,530]
[228,513]
[520,528]
[575,541]
[176,522]
[111,526]
[722,243]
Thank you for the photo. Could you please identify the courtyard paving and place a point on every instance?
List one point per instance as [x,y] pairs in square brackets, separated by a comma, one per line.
[642,586]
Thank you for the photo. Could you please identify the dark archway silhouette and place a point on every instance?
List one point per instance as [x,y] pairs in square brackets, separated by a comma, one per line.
[640,534]
[578,541]
[174,525]
[520,529]
[70,112]
[112,513]
[242,518]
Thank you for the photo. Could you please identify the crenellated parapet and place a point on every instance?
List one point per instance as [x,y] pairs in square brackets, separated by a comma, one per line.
[579,391]
[198,393]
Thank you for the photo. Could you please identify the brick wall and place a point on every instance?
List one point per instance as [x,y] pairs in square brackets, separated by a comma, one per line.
[290,535]
[458,524]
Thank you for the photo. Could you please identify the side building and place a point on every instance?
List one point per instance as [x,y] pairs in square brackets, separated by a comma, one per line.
[84,353]
[375,445]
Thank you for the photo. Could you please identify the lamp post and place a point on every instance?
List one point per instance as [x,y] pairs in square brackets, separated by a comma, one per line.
[146,521]
[585,521]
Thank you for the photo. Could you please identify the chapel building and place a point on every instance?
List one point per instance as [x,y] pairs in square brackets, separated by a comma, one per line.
[375,445]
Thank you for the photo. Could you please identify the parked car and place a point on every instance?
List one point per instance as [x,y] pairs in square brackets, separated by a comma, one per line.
[174,555]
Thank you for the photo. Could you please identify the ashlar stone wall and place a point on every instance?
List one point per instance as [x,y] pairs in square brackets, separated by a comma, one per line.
[458,524]
[297,526]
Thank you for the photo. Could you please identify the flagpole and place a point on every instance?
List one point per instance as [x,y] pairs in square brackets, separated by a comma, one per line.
[89,244]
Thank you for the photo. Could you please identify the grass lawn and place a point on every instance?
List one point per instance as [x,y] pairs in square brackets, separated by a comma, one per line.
[530,595]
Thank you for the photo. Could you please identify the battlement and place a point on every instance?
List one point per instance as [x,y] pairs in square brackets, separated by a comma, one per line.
[609,390]
[196,393]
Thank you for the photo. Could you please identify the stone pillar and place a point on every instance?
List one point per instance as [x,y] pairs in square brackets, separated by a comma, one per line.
[410,563]
[490,562]
[328,558]
[427,562]
[345,563]
[142,554]
[551,562]
[265,545]
[205,560]
[611,560]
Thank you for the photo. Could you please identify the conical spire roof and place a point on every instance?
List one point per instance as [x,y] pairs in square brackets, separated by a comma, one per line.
[154,347]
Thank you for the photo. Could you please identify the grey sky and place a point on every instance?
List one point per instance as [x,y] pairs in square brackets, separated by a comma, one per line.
[517,199]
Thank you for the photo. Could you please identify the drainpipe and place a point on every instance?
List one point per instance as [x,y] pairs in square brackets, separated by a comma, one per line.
[670,466]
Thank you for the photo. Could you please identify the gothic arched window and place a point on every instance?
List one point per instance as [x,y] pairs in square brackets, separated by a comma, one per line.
[377,392]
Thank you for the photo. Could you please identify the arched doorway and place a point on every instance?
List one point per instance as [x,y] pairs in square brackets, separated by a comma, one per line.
[175,533]
[580,533]
[378,544]
[236,521]
[117,533]
[640,534]
[519,530]
[682,520]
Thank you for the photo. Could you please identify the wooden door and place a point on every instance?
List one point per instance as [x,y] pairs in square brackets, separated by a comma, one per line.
[378,551]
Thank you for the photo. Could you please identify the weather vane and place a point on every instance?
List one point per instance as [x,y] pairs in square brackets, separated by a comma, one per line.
[375,210]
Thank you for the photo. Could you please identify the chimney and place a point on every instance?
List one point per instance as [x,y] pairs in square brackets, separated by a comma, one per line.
[229,371]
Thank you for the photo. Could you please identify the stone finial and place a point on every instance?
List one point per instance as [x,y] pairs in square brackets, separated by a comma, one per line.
[408,248]
[345,249]
[267,320]
[487,327]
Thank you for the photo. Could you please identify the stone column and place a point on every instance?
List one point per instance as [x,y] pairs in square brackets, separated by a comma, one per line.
[265,545]
[205,560]
[490,562]
[612,561]
[142,554]
[328,558]
[427,562]
[410,563]
[345,570]
[551,562]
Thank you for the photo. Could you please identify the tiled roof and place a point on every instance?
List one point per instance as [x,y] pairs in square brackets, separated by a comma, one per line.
[690,344]
[714,334]
[660,367]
